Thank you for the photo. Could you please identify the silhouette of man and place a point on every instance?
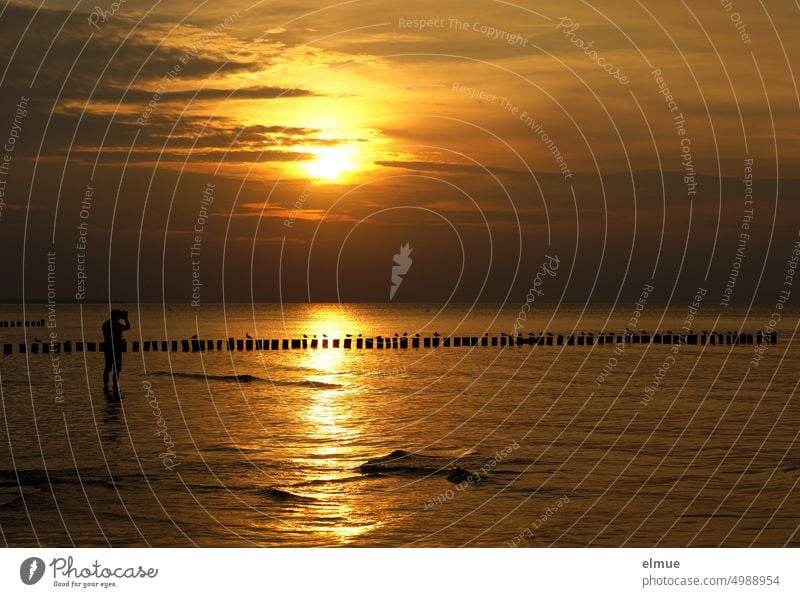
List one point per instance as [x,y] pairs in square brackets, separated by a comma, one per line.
[112,339]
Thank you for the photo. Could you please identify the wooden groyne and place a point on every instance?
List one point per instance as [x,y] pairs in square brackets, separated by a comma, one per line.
[398,342]
[36,323]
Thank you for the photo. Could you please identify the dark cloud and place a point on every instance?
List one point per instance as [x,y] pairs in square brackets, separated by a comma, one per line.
[446,167]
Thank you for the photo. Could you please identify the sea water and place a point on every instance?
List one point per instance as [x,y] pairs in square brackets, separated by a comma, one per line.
[481,446]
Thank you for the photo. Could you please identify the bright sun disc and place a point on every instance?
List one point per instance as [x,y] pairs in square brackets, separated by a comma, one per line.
[331,162]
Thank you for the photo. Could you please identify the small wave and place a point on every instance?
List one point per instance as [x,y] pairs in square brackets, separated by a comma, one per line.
[401,462]
[245,378]
[334,481]
[40,479]
[306,383]
[281,495]
[458,475]
[230,448]
[205,376]
[9,499]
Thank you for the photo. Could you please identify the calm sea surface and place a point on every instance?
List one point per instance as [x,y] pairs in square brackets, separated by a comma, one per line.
[266,448]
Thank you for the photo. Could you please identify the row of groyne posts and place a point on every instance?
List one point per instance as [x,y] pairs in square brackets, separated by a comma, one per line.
[36,323]
[398,342]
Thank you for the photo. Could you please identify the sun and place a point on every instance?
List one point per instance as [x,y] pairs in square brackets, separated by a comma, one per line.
[331,163]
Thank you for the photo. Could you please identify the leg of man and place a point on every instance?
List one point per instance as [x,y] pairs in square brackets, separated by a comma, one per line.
[117,369]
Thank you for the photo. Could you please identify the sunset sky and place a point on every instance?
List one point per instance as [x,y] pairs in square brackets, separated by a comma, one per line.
[304,142]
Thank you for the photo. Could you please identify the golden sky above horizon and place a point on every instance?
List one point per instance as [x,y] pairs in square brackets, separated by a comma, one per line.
[360,89]
[516,116]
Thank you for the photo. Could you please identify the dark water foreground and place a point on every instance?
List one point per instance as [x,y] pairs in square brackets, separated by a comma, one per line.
[520,446]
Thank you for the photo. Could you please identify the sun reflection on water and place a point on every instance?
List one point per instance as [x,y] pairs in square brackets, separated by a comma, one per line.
[334,429]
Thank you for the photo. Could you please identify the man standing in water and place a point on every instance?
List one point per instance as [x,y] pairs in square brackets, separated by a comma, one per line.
[112,340]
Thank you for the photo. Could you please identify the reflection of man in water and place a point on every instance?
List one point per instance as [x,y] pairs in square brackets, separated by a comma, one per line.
[112,339]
